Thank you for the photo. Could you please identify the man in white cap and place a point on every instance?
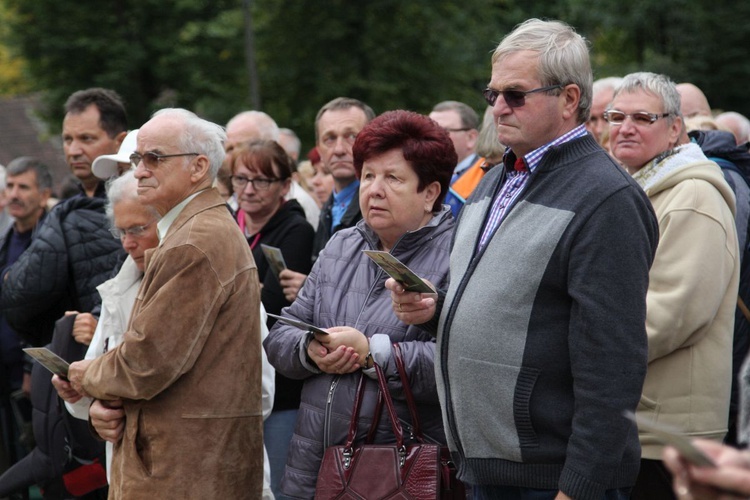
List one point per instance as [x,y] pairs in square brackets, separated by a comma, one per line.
[107,166]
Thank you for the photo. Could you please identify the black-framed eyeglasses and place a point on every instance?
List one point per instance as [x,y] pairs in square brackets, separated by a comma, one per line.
[152,160]
[259,183]
[514,98]
[617,117]
[134,231]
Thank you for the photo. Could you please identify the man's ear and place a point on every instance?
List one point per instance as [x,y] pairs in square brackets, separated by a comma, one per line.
[473,135]
[120,137]
[44,198]
[199,168]
[572,96]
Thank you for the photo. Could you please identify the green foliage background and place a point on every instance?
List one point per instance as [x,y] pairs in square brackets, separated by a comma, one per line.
[389,53]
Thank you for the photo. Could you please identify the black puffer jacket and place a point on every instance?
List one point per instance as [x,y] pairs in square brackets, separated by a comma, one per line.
[71,254]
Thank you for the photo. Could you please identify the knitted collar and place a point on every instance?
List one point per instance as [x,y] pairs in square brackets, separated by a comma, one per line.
[666,163]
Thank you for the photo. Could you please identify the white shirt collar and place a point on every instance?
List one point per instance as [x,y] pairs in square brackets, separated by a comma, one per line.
[166,222]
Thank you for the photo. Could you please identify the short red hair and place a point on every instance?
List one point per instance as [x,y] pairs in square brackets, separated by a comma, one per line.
[426,146]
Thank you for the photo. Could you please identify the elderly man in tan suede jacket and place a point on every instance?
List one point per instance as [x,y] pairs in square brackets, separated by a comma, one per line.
[187,376]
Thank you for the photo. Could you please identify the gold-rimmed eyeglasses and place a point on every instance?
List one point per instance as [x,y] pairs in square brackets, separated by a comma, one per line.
[152,160]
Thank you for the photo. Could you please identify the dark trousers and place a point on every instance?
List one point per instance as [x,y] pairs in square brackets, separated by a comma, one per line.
[654,482]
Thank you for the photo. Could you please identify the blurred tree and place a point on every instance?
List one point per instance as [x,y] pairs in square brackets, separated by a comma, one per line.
[12,80]
[689,40]
[389,53]
[154,53]
[190,53]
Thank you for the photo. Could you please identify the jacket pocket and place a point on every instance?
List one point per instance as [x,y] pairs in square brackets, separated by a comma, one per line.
[502,420]
[142,446]
[648,405]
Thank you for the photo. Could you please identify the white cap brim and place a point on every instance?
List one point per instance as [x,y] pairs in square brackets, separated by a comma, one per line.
[105,166]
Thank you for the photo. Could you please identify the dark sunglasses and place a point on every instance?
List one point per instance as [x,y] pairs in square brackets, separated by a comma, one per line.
[514,98]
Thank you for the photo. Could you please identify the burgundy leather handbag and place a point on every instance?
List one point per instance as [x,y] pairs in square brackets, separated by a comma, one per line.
[414,470]
[450,487]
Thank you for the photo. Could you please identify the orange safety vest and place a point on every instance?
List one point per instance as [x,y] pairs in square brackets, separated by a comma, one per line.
[465,184]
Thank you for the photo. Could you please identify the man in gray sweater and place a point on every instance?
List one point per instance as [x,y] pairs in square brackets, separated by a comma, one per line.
[541,332]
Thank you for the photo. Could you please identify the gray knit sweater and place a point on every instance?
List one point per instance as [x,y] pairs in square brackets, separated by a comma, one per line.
[541,338]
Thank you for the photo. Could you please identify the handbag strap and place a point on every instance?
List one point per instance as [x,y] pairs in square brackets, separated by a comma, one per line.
[375,419]
[355,412]
[395,423]
[386,398]
[416,427]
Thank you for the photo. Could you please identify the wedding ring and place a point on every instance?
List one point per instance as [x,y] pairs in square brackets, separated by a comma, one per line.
[399,308]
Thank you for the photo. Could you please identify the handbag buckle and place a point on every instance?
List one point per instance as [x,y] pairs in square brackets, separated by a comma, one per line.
[347,458]
[402,456]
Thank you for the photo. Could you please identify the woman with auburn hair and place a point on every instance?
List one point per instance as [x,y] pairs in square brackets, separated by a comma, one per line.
[404,161]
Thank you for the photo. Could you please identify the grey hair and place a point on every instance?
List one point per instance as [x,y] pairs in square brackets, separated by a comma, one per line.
[657,85]
[199,136]
[608,83]
[469,117]
[743,124]
[268,130]
[563,56]
[23,164]
[488,143]
[123,188]
[341,104]
[296,143]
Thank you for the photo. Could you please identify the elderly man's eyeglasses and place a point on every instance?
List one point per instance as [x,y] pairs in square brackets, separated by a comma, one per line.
[134,231]
[152,160]
[259,183]
[615,117]
[514,98]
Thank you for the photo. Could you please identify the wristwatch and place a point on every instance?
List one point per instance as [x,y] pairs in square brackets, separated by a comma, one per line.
[369,362]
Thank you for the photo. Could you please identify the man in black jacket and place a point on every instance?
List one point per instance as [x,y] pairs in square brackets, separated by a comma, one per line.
[72,252]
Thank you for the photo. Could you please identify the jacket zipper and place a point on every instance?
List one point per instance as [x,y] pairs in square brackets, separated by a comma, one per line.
[327,418]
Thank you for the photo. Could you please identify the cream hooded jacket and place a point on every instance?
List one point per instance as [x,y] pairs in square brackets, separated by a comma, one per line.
[691,298]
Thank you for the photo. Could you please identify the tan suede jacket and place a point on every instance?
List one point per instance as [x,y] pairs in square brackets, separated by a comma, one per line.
[189,366]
